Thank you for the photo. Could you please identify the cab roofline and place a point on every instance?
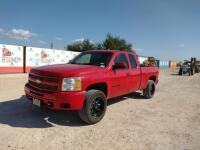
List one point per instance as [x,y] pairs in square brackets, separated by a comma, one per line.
[113,51]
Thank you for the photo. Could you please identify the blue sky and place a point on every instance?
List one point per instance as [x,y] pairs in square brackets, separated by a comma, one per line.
[167,29]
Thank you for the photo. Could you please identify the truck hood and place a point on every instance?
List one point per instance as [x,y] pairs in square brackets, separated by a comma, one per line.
[65,70]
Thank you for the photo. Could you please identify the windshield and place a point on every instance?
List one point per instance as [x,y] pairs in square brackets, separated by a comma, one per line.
[101,59]
[186,63]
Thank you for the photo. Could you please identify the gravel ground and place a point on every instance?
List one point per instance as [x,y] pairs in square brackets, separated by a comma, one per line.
[169,121]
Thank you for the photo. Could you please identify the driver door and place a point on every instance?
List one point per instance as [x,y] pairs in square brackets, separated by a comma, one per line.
[118,77]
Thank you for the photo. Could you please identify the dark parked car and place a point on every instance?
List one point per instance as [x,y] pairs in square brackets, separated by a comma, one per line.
[185,68]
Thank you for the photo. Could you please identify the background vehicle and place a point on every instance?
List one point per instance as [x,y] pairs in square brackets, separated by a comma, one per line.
[88,81]
[185,68]
[195,65]
[191,67]
[150,62]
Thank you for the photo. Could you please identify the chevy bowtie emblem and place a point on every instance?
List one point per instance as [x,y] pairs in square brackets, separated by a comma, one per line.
[38,81]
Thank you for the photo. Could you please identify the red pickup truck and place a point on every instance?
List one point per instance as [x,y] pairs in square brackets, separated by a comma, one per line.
[88,81]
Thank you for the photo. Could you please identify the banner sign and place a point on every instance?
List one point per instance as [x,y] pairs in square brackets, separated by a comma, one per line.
[11,56]
[42,56]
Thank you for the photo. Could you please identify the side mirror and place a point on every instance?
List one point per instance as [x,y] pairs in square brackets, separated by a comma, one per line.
[119,65]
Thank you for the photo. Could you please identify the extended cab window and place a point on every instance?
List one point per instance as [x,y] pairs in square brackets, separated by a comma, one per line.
[132,61]
[101,59]
[121,58]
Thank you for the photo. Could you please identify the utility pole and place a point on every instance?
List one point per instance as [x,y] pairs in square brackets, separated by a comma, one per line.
[51,45]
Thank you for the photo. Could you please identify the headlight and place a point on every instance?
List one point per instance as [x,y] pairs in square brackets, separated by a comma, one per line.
[72,84]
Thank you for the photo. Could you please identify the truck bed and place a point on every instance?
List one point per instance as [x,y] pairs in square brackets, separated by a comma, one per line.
[146,73]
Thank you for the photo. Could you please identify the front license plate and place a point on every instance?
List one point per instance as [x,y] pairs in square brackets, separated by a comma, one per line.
[36,102]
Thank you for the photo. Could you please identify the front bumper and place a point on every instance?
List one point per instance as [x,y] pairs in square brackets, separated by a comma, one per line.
[57,100]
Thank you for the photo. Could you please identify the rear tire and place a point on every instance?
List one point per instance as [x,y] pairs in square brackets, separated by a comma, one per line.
[94,107]
[149,91]
[192,71]
[180,72]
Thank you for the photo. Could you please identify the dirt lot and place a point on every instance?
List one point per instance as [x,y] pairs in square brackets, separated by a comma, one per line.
[169,121]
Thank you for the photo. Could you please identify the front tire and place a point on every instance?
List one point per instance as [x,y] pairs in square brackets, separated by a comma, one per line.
[149,91]
[94,107]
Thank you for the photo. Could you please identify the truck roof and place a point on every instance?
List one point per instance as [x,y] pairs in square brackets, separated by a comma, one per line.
[113,51]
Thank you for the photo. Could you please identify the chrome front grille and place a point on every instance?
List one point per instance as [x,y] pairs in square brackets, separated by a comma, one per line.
[50,79]
[43,82]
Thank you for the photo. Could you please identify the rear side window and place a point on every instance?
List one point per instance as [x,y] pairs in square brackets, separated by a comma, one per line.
[121,58]
[132,61]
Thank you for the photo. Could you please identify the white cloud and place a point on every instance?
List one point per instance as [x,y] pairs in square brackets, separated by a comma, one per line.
[181,45]
[80,40]
[42,42]
[138,49]
[1,30]
[58,38]
[20,34]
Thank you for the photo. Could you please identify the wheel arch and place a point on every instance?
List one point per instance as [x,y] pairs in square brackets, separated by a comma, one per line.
[101,86]
[154,78]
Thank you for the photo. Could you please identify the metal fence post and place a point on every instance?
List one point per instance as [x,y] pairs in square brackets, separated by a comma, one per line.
[24,59]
